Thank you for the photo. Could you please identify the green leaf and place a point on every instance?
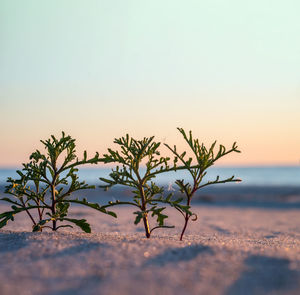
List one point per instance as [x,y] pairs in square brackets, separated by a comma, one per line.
[9,215]
[92,205]
[80,223]
[10,201]
[160,217]
[38,227]
[139,217]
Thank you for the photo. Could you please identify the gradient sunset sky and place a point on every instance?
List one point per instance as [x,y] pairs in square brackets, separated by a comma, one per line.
[228,70]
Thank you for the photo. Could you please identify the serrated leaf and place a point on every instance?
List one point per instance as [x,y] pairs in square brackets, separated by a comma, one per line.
[139,217]
[80,223]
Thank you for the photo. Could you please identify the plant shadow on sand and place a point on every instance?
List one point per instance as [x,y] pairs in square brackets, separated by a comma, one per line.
[82,247]
[11,242]
[83,285]
[266,275]
[179,254]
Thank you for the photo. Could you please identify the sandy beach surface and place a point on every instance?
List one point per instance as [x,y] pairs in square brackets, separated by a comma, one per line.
[228,250]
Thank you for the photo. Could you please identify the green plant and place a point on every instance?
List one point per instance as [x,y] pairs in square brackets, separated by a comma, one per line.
[128,172]
[45,186]
[202,159]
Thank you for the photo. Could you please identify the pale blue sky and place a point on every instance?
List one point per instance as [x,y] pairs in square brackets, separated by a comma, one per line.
[229,70]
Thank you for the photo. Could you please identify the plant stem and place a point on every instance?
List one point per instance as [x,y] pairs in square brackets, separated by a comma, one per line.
[147,228]
[38,203]
[53,206]
[28,213]
[145,217]
[185,225]
[187,216]
[143,207]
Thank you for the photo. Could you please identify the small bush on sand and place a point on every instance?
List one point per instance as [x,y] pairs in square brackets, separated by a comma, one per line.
[146,195]
[197,165]
[45,186]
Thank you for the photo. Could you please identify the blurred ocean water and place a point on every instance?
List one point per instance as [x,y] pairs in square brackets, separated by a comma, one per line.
[251,176]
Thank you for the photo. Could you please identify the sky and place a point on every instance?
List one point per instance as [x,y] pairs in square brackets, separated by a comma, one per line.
[227,70]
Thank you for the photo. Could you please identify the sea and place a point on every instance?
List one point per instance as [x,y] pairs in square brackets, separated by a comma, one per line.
[250,176]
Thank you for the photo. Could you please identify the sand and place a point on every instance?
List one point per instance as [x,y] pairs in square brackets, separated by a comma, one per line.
[228,250]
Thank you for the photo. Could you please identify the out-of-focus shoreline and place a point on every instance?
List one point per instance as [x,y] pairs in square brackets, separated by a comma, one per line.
[219,195]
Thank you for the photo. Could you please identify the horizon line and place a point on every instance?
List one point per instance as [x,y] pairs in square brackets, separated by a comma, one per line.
[101,166]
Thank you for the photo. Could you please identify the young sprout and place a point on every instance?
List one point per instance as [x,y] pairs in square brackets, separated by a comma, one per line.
[128,172]
[46,186]
[197,166]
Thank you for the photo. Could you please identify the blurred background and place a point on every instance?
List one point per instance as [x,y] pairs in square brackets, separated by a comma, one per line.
[228,70]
